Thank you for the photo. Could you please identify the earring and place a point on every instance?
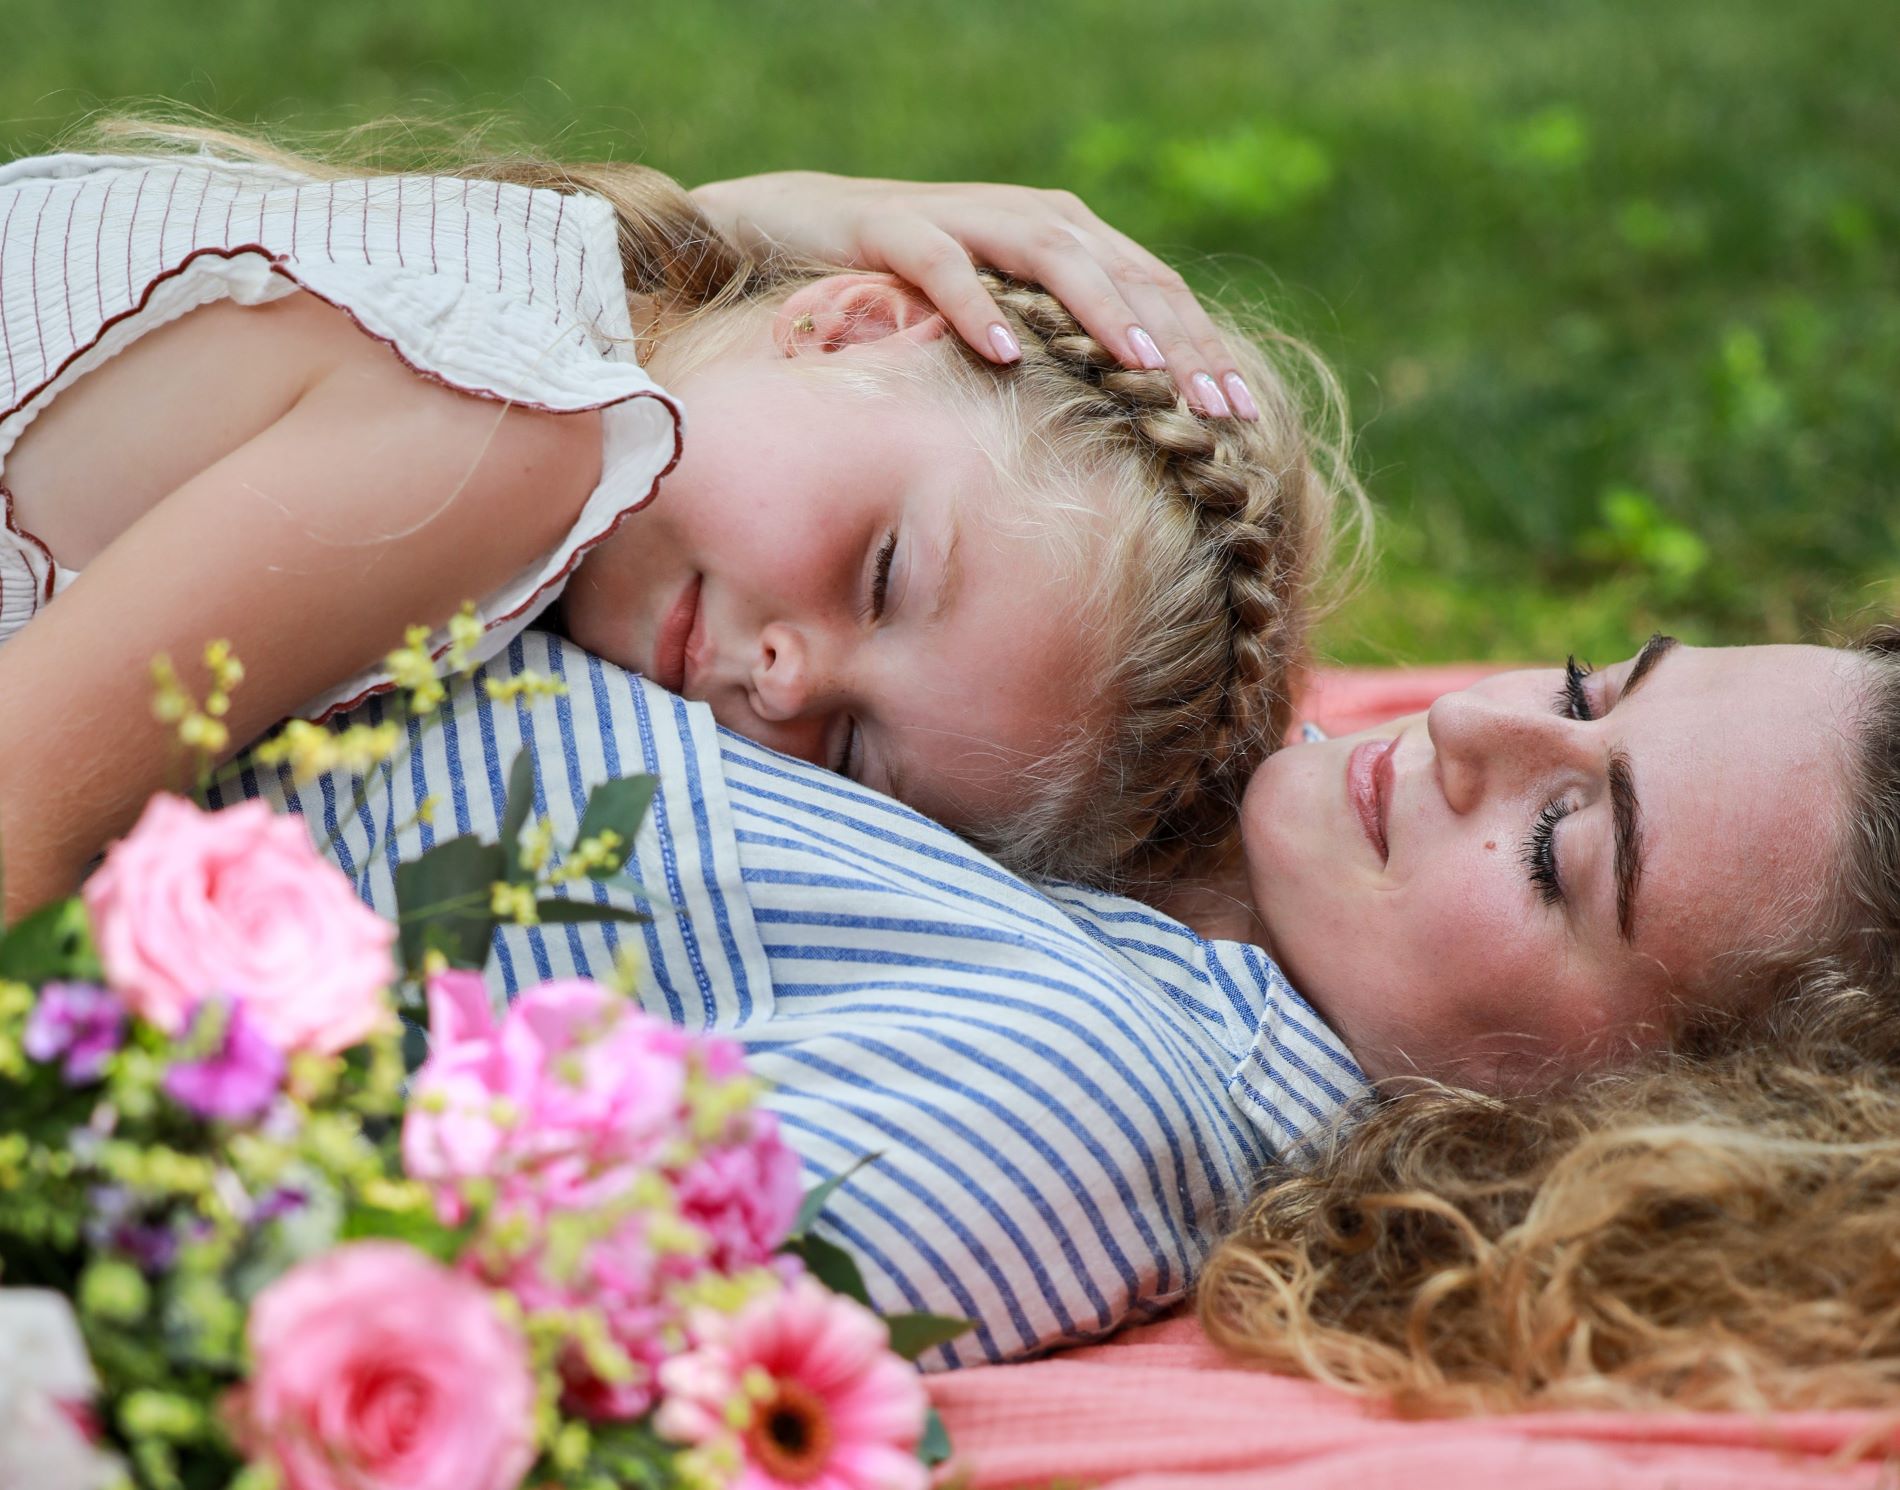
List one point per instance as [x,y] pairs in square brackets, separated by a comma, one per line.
[805,325]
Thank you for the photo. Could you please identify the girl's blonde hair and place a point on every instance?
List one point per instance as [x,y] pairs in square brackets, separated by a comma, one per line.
[1716,1227]
[1224,529]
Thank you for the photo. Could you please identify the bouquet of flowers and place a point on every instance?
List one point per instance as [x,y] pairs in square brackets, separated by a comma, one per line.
[241,1243]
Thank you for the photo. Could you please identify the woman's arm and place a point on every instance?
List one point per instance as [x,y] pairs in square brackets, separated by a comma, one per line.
[935,234]
[377,501]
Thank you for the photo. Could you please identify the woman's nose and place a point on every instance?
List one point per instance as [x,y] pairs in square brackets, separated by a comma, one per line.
[1487,744]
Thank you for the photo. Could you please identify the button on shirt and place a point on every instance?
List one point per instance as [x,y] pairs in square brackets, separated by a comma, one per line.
[1068,1094]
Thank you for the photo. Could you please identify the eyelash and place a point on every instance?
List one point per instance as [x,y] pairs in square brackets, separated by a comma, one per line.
[1539,854]
[880,595]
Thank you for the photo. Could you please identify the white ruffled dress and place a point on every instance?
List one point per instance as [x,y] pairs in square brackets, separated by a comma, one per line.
[501,291]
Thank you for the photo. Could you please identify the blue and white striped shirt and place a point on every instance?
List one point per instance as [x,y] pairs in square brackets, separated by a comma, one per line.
[1070,1094]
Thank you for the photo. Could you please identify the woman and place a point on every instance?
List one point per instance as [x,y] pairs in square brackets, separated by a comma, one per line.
[1711,1226]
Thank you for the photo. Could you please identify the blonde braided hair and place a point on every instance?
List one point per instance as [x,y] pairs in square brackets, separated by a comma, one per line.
[1224,529]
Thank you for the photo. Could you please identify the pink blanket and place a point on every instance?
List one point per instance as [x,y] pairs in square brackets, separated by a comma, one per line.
[1158,1409]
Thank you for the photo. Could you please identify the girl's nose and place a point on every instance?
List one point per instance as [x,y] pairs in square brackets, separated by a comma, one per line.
[787,678]
[1486,744]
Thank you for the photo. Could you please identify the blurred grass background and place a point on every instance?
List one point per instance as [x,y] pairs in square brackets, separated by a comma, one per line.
[1613,285]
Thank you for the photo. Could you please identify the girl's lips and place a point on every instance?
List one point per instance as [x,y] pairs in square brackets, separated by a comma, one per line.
[669,648]
[1369,789]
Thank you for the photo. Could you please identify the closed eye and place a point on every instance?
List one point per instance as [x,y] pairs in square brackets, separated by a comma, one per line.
[1573,699]
[881,575]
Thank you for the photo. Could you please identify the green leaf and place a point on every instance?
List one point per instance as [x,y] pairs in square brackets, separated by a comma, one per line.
[442,901]
[832,1266]
[819,1194]
[54,942]
[913,1334]
[620,804]
[565,911]
[418,1228]
[934,1447]
[520,802]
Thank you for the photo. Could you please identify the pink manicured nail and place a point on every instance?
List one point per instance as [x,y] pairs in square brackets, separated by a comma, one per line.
[1210,396]
[1145,348]
[1005,343]
[1239,397]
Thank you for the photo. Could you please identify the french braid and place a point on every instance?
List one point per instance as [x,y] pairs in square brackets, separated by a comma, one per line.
[1211,606]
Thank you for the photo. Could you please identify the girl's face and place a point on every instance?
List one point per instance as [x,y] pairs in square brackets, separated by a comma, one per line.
[835,571]
[1535,870]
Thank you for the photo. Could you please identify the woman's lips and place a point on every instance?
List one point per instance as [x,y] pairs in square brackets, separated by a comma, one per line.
[1369,789]
[669,648]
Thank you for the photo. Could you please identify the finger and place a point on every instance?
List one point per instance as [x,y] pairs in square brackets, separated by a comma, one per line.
[939,265]
[1201,347]
[1069,266]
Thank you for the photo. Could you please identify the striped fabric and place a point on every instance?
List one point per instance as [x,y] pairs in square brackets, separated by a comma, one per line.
[498,290]
[1069,1093]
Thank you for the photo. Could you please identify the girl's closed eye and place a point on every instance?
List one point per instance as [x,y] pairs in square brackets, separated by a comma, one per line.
[1573,698]
[873,611]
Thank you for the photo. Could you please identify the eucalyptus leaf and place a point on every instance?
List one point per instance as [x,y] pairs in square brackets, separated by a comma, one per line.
[515,816]
[54,942]
[816,1197]
[832,1266]
[934,1447]
[913,1334]
[442,901]
[574,911]
[620,804]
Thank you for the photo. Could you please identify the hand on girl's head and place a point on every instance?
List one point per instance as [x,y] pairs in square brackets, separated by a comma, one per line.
[935,236]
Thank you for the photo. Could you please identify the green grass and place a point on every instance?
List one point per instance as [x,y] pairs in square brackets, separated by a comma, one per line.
[1615,286]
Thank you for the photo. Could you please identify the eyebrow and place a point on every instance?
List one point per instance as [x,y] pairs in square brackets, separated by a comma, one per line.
[1626,812]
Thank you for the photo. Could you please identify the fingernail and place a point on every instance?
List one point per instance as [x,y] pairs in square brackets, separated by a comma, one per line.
[1005,343]
[1239,397]
[1210,396]
[1145,348]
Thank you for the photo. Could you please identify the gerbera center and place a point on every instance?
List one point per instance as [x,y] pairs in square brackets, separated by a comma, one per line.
[791,1437]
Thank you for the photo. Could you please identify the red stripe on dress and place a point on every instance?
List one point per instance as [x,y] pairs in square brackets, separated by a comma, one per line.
[366,192]
[527,232]
[6,332]
[497,237]
[560,214]
[465,244]
[434,193]
[329,224]
[402,185]
[98,242]
[198,211]
[33,281]
[131,227]
[580,294]
[66,258]
[296,213]
[230,207]
[165,219]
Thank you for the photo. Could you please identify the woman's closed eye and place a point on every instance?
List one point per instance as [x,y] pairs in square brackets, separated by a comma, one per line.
[1573,699]
[1539,853]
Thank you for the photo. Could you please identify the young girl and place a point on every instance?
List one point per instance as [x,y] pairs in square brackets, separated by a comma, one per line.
[1051,602]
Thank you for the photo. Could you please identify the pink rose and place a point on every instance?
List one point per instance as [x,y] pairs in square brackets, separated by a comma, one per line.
[192,905]
[376,1368]
[572,1091]
[744,1195]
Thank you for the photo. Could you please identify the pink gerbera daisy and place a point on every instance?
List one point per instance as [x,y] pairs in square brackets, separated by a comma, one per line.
[798,1391]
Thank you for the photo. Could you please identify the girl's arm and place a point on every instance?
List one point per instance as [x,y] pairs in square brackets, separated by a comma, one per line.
[377,501]
[934,234]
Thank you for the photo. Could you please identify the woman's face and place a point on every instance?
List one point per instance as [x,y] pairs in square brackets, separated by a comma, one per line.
[1535,870]
[835,572]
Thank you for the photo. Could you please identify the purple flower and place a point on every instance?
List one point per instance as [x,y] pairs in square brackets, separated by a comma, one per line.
[78,1021]
[116,1224]
[238,1079]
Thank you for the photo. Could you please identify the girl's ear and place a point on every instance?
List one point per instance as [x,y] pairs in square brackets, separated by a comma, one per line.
[846,310]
